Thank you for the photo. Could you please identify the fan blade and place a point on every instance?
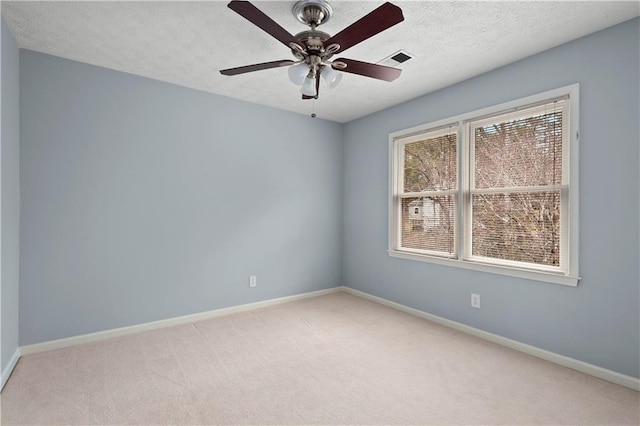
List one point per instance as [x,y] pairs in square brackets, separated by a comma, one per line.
[257,67]
[317,89]
[377,21]
[257,17]
[368,69]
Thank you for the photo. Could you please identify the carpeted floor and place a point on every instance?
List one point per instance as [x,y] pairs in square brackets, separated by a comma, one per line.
[335,359]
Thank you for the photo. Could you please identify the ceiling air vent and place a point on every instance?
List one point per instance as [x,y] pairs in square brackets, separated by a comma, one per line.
[396,59]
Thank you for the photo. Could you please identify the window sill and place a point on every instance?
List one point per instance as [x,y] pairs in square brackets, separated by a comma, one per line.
[548,277]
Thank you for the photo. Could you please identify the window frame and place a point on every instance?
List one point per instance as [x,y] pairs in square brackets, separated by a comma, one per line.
[462,258]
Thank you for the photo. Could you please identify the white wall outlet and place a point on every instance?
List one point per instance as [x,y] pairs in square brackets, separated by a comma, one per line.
[475,300]
[253,281]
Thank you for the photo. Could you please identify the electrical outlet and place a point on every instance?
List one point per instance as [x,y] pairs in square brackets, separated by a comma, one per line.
[475,300]
[253,281]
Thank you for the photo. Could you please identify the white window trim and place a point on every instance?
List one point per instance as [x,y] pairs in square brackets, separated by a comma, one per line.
[514,269]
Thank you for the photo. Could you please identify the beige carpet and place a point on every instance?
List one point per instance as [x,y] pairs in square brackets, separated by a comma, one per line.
[336,359]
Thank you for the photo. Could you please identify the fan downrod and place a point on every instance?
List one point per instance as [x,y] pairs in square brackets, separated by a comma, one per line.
[312,12]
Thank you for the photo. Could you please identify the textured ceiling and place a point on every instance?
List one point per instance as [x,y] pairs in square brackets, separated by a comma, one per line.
[187,43]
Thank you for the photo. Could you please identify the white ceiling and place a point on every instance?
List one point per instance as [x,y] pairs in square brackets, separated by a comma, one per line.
[187,43]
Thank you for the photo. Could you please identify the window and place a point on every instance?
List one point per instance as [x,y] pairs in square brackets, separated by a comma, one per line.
[493,190]
[428,188]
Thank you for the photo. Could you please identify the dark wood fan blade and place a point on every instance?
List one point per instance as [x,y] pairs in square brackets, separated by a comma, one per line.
[257,67]
[257,17]
[377,21]
[317,89]
[368,69]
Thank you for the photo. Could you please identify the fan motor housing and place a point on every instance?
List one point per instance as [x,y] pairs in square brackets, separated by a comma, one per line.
[313,39]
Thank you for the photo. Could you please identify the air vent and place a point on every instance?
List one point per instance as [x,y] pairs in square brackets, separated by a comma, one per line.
[396,59]
[401,57]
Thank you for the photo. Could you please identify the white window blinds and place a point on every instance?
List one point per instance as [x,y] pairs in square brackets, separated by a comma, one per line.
[428,191]
[516,172]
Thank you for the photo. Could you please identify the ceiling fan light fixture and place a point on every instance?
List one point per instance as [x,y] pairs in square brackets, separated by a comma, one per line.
[336,81]
[298,72]
[309,86]
[330,75]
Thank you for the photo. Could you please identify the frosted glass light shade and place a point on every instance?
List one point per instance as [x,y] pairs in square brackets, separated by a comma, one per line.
[336,81]
[309,86]
[329,74]
[298,72]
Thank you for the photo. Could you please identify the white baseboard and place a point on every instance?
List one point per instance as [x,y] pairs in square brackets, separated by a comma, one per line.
[593,370]
[123,331]
[6,373]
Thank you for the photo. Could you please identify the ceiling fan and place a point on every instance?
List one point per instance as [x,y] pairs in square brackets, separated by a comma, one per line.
[314,49]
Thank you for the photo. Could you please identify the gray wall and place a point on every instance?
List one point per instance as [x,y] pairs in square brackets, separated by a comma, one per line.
[142,200]
[596,322]
[10,200]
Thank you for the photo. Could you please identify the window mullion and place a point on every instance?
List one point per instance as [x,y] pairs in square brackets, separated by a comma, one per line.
[463,190]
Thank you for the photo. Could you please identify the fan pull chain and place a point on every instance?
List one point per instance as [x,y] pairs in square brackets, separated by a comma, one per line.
[313,108]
